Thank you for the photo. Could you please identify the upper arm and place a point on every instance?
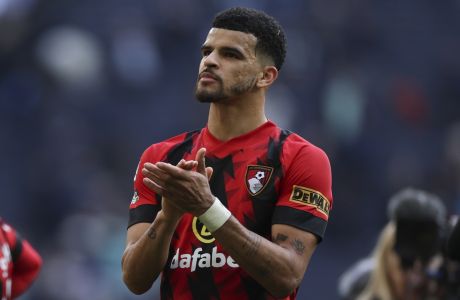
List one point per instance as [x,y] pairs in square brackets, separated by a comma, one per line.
[145,204]
[135,232]
[305,197]
[299,243]
[302,209]
[142,194]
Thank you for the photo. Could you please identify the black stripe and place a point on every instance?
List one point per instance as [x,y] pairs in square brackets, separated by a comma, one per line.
[300,219]
[201,282]
[253,289]
[17,249]
[263,204]
[166,290]
[178,151]
[222,167]
[274,149]
[143,213]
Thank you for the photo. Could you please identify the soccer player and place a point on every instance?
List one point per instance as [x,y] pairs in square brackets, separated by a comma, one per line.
[19,263]
[234,210]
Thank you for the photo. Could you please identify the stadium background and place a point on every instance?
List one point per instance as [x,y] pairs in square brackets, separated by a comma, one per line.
[86,86]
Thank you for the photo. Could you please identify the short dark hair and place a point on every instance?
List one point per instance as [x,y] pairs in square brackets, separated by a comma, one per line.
[269,33]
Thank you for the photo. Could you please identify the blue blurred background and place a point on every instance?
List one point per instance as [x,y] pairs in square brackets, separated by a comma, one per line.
[86,86]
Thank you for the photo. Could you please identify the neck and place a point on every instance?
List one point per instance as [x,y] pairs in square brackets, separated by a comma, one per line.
[236,117]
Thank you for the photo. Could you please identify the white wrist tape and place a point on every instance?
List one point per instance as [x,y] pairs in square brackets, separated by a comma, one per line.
[215,216]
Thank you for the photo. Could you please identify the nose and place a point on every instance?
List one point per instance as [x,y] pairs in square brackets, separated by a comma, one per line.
[211,60]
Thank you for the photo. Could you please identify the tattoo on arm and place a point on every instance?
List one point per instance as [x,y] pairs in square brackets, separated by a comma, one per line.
[299,247]
[152,234]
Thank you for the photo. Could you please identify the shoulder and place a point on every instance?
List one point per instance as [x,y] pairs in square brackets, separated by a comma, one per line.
[5,227]
[160,149]
[9,232]
[297,147]
[307,165]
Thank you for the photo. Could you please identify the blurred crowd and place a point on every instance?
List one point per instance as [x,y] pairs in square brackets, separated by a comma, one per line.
[85,86]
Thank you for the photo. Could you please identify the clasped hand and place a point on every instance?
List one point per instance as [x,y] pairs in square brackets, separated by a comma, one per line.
[184,187]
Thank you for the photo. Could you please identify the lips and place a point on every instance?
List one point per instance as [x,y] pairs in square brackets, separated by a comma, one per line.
[208,76]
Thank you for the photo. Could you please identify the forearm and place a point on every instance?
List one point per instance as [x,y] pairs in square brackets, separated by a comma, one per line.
[275,268]
[144,259]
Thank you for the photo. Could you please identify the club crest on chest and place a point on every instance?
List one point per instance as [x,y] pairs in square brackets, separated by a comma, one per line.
[257,178]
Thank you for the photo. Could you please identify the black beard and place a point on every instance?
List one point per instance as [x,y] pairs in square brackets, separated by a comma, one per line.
[209,97]
[218,96]
[205,97]
[243,87]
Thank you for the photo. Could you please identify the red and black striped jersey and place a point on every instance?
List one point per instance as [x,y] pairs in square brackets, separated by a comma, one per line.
[267,176]
[19,263]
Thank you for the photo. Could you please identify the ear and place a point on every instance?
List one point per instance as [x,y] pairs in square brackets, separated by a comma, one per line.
[267,76]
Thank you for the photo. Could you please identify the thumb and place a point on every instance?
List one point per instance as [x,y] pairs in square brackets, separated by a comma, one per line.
[201,168]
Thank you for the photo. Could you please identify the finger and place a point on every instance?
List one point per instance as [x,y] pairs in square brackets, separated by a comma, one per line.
[156,174]
[153,170]
[200,158]
[181,163]
[170,170]
[209,171]
[152,185]
[189,165]
[149,166]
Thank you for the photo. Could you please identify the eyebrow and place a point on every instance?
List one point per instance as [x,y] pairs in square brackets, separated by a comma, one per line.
[205,47]
[234,51]
[227,49]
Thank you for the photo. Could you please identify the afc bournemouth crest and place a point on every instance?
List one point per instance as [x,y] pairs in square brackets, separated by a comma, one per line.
[257,178]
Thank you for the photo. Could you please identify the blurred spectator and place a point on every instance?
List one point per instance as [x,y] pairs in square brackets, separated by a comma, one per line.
[453,242]
[407,251]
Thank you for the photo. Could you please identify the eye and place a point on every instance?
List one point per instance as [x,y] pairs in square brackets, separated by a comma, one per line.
[231,55]
[205,52]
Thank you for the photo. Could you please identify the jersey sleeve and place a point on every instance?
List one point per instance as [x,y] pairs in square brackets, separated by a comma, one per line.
[145,203]
[26,261]
[26,268]
[305,190]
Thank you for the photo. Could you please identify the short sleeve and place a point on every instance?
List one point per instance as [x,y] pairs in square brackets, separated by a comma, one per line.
[305,197]
[145,203]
